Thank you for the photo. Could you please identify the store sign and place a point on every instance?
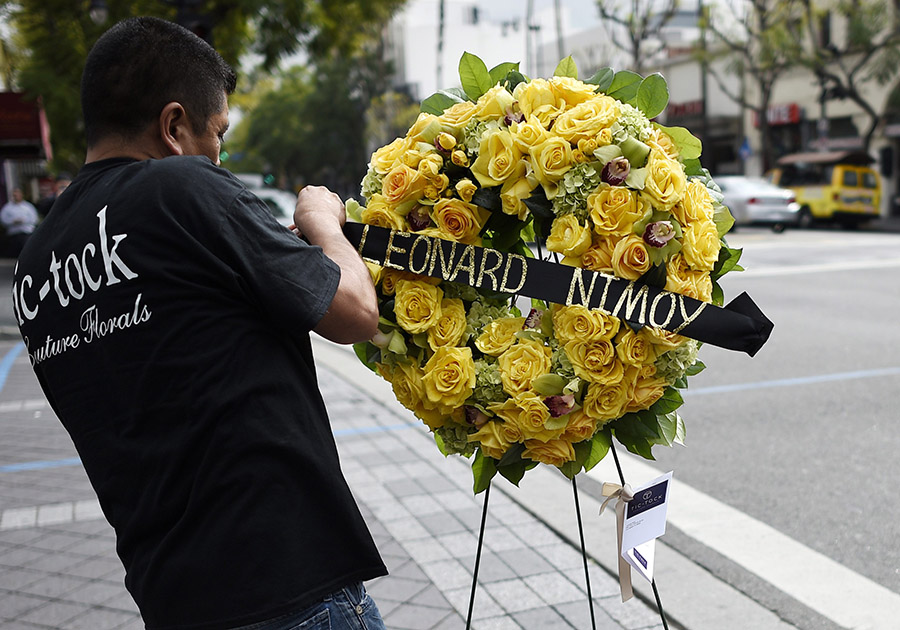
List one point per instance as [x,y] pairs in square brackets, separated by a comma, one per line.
[784,114]
[684,110]
[23,127]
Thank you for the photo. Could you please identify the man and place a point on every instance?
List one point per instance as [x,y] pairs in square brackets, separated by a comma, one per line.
[18,218]
[59,185]
[167,317]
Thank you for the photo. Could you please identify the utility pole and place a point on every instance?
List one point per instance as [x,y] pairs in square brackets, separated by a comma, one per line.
[529,44]
[560,43]
[440,46]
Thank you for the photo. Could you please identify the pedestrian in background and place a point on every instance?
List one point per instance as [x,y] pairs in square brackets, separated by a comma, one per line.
[61,182]
[18,218]
[167,316]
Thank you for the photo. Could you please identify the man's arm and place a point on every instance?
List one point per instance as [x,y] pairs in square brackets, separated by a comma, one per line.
[352,315]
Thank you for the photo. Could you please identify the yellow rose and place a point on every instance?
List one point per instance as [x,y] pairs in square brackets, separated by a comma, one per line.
[613,210]
[630,258]
[662,339]
[696,205]
[385,158]
[599,256]
[449,328]
[491,438]
[529,413]
[406,381]
[572,91]
[550,160]
[436,185]
[662,141]
[536,98]
[516,189]
[568,237]
[425,129]
[595,361]
[466,188]
[665,181]
[680,278]
[522,363]
[494,104]
[430,165]
[461,220]
[633,348]
[433,418]
[581,427]
[375,271]
[445,141]
[389,278]
[587,119]
[645,392]
[552,452]
[497,158]
[458,115]
[417,305]
[459,158]
[402,184]
[700,247]
[499,335]
[606,402]
[579,323]
[378,212]
[528,133]
[449,377]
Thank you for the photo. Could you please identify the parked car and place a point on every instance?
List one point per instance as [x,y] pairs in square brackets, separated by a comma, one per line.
[280,202]
[754,201]
[831,186]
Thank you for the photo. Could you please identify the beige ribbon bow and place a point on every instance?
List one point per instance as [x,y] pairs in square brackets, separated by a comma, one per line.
[622,494]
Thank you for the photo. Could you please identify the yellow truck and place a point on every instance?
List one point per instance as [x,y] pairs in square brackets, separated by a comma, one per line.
[831,186]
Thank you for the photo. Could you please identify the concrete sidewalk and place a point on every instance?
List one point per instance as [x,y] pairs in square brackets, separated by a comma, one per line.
[58,567]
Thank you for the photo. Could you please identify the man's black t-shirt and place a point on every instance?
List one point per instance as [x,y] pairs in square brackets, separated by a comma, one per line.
[167,317]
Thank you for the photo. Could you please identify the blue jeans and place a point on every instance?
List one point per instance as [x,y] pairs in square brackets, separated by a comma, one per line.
[350,608]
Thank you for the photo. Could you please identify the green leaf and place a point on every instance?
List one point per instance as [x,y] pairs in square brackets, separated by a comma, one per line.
[600,444]
[364,353]
[723,219]
[668,423]
[653,95]
[696,368]
[679,430]
[438,102]
[692,167]
[603,78]
[552,424]
[566,68]
[582,452]
[548,384]
[624,86]
[515,471]
[670,401]
[513,79]
[500,71]
[727,261]
[474,76]
[440,444]
[488,198]
[718,295]
[689,146]
[484,469]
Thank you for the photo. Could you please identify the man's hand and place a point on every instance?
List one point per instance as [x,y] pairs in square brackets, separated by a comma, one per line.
[318,208]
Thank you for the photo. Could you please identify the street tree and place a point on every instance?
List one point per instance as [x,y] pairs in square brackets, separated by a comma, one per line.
[847,45]
[636,27]
[759,47]
[56,36]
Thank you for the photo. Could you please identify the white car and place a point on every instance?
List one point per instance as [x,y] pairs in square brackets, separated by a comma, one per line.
[280,202]
[754,201]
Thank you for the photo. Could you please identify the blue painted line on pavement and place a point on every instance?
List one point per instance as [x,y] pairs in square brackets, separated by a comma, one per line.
[789,382]
[57,463]
[8,360]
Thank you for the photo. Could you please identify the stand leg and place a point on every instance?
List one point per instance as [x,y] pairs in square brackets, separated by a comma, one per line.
[487,494]
[587,575]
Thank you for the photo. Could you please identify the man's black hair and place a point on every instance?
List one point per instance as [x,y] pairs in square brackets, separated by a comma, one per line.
[141,64]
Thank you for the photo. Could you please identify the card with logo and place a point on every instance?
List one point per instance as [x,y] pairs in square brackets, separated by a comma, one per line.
[645,521]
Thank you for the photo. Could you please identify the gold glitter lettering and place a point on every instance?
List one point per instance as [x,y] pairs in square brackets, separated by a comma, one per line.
[659,296]
[482,272]
[688,318]
[509,260]
[412,252]
[438,252]
[362,241]
[390,249]
[578,279]
[630,299]
[462,265]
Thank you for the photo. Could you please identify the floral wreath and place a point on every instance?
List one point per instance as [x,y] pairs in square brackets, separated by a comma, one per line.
[577,167]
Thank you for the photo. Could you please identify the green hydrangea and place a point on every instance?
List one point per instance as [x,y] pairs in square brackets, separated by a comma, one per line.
[481,314]
[488,385]
[673,364]
[472,134]
[631,122]
[459,291]
[575,187]
[456,439]
[371,183]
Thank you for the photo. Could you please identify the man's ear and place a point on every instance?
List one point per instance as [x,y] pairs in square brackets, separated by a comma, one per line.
[173,128]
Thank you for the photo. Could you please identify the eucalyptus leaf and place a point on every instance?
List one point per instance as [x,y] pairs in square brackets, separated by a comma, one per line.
[483,469]
[438,102]
[474,76]
[652,95]
[603,78]
[566,68]
[625,86]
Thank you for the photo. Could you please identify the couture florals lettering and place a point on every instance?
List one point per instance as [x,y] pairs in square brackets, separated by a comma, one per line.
[78,275]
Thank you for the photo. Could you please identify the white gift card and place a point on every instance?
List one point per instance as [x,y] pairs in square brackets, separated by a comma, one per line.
[645,521]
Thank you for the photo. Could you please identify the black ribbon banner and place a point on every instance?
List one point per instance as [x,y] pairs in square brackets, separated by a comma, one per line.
[739,325]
